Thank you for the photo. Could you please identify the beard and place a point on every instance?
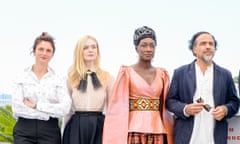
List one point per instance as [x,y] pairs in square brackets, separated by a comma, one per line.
[207,59]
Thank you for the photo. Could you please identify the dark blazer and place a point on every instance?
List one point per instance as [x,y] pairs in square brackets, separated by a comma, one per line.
[181,92]
[239,82]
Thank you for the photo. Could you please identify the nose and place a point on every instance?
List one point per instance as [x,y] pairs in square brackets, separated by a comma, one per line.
[149,48]
[209,45]
[44,52]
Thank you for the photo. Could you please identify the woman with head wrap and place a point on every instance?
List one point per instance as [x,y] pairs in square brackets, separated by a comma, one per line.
[137,113]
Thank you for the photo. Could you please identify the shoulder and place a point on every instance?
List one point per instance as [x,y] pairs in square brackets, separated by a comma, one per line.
[124,67]
[221,69]
[162,72]
[123,72]
[186,67]
[23,75]
[107,74]
[57,78]
[183,67]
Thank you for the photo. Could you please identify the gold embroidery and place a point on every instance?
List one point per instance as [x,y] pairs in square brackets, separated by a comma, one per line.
[143,104]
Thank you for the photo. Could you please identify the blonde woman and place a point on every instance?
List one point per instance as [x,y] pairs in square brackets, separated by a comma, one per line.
[90,88]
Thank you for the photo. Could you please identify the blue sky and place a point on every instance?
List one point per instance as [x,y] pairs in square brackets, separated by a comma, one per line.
[113,23]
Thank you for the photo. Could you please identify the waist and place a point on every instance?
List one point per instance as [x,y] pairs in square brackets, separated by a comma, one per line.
[88,113]
[143,104]
[51,120]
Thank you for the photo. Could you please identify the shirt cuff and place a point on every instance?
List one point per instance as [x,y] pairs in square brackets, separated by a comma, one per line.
[184,111]
[226,110]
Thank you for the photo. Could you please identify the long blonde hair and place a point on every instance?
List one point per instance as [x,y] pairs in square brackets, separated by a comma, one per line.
[77,69]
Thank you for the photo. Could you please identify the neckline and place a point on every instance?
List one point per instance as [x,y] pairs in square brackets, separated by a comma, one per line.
[149,84]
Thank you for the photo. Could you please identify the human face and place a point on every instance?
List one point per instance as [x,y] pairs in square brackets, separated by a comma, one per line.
[204,48]
[90,51]
[146,49]
[43,52]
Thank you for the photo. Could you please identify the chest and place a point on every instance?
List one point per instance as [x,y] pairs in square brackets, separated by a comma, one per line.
[147,76]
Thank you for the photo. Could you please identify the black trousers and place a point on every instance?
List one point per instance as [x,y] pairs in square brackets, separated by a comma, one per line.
[33,131]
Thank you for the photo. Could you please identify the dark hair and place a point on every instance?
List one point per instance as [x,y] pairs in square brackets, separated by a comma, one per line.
[143,32]
[44,37]
[192,42]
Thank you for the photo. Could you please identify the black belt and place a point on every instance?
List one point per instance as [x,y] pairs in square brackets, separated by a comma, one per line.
[88,113]
[49,120]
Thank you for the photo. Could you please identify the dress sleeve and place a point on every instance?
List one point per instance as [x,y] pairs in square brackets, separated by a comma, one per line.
[168,118]
[116,120]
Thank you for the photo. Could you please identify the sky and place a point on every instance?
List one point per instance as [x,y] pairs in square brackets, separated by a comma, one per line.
[113,23]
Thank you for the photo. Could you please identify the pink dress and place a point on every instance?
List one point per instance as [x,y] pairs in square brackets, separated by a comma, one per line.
[120,120]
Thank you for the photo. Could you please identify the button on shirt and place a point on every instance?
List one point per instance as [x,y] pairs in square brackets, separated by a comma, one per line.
[204,122]
[49,93]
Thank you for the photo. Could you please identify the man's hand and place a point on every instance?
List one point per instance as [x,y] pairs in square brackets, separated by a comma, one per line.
[219,112]
[194,108]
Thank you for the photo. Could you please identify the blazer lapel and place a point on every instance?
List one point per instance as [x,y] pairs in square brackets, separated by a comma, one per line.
[192,79]
[216,83]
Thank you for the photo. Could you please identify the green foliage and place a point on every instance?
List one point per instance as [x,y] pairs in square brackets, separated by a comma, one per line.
[7,123]
[235,79]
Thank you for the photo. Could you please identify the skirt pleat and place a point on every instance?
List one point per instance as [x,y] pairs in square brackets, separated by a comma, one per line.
[84,128]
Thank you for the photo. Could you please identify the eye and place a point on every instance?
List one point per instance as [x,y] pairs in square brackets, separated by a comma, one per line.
[202,43]
[147,45]
[211,44]
[143,45]
[85,47]
[152,45]
[94,47]
[40,49]
[49,50]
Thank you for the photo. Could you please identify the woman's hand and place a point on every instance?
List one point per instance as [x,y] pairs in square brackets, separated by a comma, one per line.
[29,103]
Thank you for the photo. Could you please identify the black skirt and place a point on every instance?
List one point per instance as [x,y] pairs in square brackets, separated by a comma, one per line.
[84,128]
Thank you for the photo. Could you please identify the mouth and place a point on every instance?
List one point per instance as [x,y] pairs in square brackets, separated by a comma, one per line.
[91,55]
[208,52]
[44,58]
[148,54]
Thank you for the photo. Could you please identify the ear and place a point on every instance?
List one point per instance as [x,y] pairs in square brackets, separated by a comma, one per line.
[194,50]
[136,49]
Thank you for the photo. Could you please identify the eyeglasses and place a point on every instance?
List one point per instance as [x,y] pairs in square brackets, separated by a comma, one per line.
[207,107]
